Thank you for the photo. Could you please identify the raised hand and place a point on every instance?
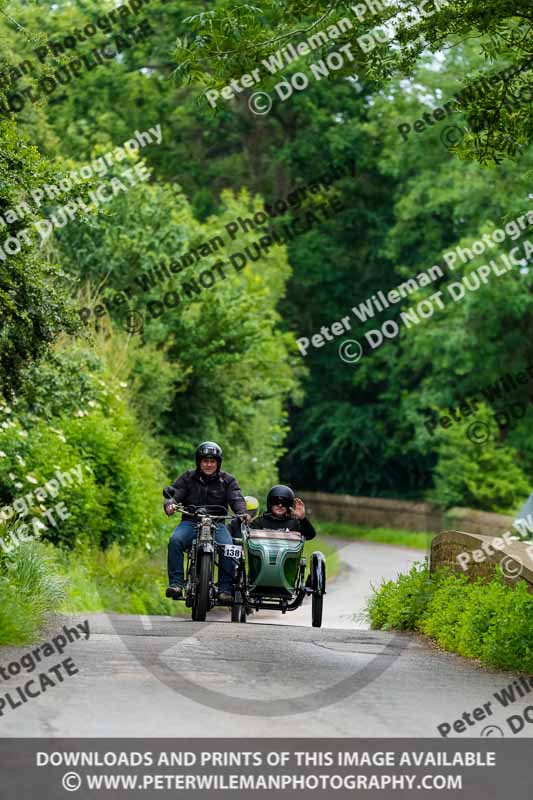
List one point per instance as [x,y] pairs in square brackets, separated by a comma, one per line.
[298,510]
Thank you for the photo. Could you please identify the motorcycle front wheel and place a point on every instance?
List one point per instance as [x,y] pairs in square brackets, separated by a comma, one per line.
[201,601]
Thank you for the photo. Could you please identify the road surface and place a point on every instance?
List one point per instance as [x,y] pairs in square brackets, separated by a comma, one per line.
[167,676]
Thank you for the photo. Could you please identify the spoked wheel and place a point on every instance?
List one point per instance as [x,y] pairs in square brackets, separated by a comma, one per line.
[244,617]
[201,601]
[238,610]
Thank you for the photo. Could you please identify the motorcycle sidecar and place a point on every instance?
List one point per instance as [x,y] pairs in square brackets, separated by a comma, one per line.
[275,563]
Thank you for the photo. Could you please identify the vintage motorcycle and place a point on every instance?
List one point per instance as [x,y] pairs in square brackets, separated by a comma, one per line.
[203,557]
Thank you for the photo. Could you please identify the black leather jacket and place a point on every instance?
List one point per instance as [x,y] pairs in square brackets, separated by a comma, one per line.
[270,522]
[221,489]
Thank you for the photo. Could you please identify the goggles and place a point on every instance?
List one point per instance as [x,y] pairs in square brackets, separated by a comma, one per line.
[280,501]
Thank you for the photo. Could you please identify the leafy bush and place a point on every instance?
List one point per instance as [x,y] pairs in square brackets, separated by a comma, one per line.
[88,422]
[486,476]
[34,307]
[487,621]
[399,604]
[31,589]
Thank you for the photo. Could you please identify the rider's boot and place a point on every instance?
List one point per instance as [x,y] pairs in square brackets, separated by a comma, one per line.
[225,597]
[175,592]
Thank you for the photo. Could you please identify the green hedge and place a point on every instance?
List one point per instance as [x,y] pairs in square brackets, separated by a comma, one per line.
[491,621]
[91,425]
[30,588]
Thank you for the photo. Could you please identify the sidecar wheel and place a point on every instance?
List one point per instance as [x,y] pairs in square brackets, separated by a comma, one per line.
[318,582]
[316,610]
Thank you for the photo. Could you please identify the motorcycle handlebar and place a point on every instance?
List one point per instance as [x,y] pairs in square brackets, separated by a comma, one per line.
[202,511]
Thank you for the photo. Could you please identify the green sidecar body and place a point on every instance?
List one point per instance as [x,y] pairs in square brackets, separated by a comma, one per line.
[275,562]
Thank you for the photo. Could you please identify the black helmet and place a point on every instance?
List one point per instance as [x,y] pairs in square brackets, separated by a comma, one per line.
[283,494]
[208,450]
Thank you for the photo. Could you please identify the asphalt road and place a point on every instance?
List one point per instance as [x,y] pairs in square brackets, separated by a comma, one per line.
[168,676]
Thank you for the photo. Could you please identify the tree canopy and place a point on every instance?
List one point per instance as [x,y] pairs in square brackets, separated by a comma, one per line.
[354,185]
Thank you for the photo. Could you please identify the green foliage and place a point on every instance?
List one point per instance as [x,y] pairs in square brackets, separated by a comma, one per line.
[223,364]
[485,475]
[33,304]
[95,429]
[31,589]
[121,580]
[399,604]
[487,621]
[216,367]
[231,40]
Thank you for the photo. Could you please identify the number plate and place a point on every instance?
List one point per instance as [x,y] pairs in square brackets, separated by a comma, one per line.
[232,550]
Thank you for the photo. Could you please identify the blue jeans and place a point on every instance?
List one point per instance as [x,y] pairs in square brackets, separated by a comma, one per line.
[181,539]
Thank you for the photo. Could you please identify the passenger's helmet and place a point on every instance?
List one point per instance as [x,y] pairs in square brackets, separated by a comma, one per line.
[281,494]
[208,450]
[252,506]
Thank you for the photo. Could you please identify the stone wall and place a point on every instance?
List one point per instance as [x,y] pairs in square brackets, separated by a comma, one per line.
[378,512]
[515,558]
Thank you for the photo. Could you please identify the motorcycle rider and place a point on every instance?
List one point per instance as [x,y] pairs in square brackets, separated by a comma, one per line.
[206,485]
[285,512]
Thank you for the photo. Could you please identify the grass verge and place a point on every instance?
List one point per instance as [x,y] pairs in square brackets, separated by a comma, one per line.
[119,580]
[30,589]
[343,530]
[486,621]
